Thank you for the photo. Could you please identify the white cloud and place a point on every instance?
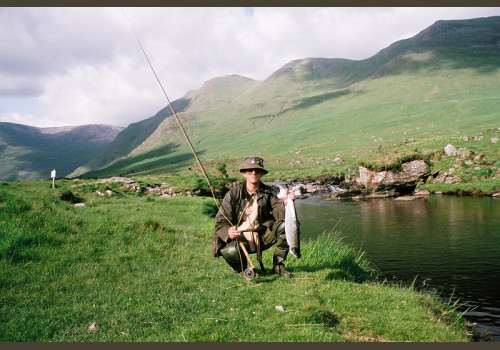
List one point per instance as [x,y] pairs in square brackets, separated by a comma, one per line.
[83,65]
[112,94]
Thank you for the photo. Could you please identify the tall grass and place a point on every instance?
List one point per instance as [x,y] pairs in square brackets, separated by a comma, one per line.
[329,253]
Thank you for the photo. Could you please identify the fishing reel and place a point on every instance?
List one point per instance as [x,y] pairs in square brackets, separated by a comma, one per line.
[249,274]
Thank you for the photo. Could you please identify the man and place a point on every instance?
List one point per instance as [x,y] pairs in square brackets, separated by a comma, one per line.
[253,214]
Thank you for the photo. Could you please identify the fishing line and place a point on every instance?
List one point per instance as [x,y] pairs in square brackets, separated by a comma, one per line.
[177,119]
[219,208]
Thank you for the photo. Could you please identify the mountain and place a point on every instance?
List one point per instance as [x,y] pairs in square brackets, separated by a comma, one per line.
[416,95]
[432,89]
[152,132]
[28,152]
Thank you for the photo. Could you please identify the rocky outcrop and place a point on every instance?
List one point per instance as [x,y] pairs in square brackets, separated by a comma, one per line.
[403,181]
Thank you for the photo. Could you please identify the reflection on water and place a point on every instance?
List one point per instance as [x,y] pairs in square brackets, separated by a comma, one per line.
[451,243]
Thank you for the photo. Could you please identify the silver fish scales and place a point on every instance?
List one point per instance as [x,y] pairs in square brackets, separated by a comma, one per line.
[292,229]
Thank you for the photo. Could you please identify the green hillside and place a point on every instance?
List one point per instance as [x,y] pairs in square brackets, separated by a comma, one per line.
[415,96]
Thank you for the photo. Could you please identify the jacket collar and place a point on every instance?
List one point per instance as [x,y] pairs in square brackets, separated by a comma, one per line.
[263,188]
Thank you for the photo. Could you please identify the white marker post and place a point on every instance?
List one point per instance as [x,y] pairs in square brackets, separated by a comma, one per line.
[53,176]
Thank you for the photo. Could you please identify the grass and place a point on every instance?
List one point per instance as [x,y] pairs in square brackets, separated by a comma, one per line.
[140,266]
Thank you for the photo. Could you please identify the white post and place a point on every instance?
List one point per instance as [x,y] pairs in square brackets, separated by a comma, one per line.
[53,176]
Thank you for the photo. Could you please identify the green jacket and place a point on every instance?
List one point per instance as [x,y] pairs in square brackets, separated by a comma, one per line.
[270,210]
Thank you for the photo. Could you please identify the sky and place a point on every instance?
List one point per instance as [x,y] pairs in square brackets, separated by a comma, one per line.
[69,66]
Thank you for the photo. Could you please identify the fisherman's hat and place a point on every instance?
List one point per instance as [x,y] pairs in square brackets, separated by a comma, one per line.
[253,163]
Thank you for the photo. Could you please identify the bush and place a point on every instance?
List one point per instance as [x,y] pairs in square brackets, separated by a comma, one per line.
[210,209]
[68,196]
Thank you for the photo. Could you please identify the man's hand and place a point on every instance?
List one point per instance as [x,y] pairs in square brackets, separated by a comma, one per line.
[233,232]
[288,195]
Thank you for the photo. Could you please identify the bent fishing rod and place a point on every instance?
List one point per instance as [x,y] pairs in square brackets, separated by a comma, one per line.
[177,119]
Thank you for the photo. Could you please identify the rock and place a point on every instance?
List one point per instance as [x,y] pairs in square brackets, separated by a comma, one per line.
[349,193]
[494,139]
[404,181]
[109,193]
[312,187]
[465,138]
[336,189]
[374,195]
[494,193]
[129,184]
[447,178]
[93,327]
[79,205]
[407,198]
[450,150]
[339,160]
[422,193]
[123,180]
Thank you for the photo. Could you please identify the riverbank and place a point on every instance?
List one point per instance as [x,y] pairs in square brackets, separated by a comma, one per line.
[139,268]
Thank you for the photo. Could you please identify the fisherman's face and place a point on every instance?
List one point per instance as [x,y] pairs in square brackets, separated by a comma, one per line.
[253,176]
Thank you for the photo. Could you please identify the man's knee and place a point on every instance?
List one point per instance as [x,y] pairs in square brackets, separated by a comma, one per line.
[279,228]
[230,252]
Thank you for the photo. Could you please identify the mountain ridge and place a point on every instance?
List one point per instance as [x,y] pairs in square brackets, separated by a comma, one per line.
[28,152]
[330,97]
[291,93]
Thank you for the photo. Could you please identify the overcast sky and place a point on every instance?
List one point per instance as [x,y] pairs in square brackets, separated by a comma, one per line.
[75,66]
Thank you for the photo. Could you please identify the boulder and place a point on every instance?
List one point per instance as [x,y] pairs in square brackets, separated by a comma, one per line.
[450,150]
[404,181]
[339,160]
[447,178]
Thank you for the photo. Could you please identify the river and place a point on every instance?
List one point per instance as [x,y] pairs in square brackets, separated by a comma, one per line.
[448,243]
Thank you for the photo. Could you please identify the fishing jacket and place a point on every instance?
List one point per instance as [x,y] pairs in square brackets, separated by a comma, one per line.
[270,210]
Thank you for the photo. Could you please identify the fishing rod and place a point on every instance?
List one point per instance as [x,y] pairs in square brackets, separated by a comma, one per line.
[249,273]
[176,117]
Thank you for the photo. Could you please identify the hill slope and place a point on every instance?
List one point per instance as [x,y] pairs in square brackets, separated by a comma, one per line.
[418,94]
[31,153]
[153,133]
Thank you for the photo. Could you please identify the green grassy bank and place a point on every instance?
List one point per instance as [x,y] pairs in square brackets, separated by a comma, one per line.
[140,266]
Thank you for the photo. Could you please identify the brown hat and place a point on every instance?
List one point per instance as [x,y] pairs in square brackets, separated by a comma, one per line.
[253,163]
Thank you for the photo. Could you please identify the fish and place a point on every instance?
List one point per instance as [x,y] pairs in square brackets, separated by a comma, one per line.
[292,224]
[292,229]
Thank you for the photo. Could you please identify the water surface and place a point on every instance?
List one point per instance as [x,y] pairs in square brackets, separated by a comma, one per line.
[449,243]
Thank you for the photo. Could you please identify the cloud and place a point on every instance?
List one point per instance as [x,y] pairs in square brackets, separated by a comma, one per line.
[82,65]
[105,94]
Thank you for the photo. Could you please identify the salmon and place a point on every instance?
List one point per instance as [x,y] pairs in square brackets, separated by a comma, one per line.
[292,229]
